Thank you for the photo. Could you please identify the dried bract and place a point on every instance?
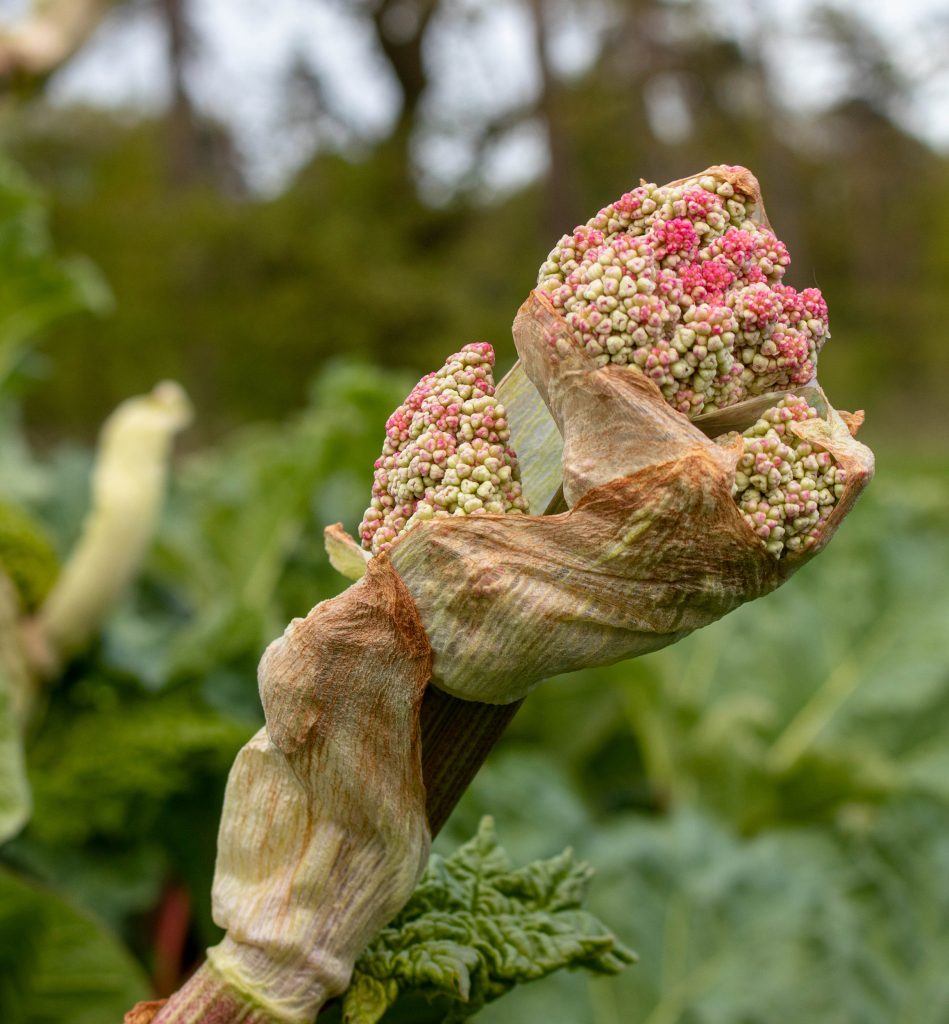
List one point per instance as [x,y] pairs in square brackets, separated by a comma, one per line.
[323,833]
[653,547]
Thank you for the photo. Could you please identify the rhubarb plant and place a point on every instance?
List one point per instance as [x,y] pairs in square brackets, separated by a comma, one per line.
[660,327]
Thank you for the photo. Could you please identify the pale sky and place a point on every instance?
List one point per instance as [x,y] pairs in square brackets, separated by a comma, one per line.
[480,56]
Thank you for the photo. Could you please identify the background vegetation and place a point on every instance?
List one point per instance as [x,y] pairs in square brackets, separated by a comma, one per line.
[766,803]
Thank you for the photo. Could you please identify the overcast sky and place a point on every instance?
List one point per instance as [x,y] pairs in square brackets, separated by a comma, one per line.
[247,46]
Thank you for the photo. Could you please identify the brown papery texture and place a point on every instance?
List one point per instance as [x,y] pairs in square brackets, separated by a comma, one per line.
[323,834]
[741,180]
[653,546]
[144,1013]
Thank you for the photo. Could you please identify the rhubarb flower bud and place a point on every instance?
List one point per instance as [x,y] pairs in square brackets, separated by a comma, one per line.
[684,281]
[785,485]
[446,453]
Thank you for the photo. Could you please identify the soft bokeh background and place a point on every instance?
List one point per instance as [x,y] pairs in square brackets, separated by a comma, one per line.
[296,208]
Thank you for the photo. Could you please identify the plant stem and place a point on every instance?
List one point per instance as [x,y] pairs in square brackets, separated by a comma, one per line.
[206,998]
[457,736]
[14,671]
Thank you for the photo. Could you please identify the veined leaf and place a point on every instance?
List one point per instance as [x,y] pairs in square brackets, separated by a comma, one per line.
[476,927]
[58,966]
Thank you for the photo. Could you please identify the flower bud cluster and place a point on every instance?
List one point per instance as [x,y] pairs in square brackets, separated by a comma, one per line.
[785,486]
[446,453]
[680,281]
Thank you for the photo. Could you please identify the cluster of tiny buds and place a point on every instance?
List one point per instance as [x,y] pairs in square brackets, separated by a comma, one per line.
[683,283]
[446,453]
[785,486]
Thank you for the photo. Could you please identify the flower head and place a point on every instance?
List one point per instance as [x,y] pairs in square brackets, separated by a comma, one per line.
[785,486]
[446,452]
[681,281]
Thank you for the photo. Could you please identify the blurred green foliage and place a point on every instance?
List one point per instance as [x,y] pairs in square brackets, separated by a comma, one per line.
[58,965]
[243,299]
[38,286]
[26,556]
[767,803]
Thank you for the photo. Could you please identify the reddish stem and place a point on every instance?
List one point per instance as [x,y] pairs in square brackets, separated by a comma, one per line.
[171,934]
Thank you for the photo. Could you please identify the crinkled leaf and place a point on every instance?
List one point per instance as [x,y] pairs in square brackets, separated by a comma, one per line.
[475,927]
[368,998]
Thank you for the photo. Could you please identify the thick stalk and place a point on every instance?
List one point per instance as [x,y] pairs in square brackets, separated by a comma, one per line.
[206,998]
[457,736]
[15,689]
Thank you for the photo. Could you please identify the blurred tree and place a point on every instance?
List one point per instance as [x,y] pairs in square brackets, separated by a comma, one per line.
[54,30]
[198,149]
[36,46]
[213,283]
[399,28]
[561,206]
[183,142]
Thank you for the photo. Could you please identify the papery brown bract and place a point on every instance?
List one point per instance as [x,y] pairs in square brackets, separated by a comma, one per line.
[323,832]
[653,548]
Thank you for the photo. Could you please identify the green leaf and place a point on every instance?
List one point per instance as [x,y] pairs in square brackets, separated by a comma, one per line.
[107,761]
[368,998]
[476,927]
[58,966]
[38,286]
[27,555]
[15,799]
